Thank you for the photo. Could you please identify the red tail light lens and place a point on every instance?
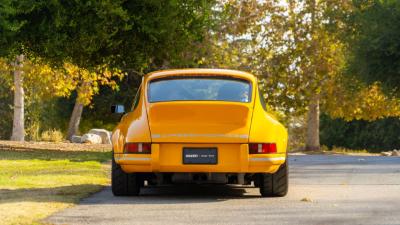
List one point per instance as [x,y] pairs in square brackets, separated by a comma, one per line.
[138,148]
[262,148]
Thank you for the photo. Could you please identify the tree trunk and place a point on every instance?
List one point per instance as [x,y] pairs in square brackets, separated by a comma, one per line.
[312,139]
[18,131]
[73,126]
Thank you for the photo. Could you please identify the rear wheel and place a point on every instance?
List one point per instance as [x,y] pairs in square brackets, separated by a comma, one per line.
[123,184]
[276,184]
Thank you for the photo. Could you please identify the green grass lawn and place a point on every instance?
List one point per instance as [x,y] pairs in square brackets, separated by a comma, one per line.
[35,184]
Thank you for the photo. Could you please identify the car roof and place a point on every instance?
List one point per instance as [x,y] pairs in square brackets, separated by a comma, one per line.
[199,72]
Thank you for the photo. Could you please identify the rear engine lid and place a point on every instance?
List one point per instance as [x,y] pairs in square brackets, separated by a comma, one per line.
[200,122]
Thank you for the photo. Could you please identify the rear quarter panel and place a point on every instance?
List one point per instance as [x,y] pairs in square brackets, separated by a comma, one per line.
[133,127]
[266,129]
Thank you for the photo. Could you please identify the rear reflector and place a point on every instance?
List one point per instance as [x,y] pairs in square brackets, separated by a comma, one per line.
[262,148]
[144,148]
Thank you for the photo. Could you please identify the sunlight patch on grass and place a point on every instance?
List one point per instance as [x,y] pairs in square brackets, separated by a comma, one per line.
[35,184]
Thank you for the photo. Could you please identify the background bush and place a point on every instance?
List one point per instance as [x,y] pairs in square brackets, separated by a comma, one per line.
[6,111]
[374,136]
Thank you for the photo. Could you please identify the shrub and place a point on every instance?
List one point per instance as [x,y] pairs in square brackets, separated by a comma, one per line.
[374,136]
[53,135]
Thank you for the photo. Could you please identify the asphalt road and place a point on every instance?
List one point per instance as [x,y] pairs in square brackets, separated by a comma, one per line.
[338,190]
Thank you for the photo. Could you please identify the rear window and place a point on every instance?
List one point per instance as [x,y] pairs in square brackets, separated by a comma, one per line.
[199,89]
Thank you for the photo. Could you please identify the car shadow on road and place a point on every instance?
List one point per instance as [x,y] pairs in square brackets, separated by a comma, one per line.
[176,194]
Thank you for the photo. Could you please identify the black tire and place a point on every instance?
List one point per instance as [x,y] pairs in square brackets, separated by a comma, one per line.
[123,184]
[276,184]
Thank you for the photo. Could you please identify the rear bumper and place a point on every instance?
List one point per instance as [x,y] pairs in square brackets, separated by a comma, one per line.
[232,158]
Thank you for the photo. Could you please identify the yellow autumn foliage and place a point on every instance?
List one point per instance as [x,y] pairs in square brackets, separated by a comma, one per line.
[87,82]
[43,81]
[365,102]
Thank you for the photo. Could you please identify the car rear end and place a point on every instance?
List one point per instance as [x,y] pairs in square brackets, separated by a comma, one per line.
[199,125]
[201,158]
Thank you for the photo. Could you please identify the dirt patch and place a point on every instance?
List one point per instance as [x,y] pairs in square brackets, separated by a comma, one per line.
[61,146]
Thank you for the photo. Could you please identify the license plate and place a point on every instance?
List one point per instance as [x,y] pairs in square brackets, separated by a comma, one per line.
[200,156]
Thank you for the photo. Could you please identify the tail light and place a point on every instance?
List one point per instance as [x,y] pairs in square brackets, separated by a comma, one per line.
[144,148]
[262,148]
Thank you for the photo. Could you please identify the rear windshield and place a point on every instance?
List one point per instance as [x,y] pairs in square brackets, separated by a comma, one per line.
[199,89]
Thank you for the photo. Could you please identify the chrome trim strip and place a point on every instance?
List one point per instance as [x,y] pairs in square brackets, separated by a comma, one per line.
[133,159]
[268,159]
[251,159]
[244,136]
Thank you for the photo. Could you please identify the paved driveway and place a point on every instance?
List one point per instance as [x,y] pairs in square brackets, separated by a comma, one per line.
[323,190]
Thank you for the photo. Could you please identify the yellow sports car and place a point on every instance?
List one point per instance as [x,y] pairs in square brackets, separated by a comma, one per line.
[199,126]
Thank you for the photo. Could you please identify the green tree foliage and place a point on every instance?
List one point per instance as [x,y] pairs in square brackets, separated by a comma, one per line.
[289,46]
[293,55]
[118,33]
[375,42]
[96,38]
[277,41]
[299,51]
[374,136]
